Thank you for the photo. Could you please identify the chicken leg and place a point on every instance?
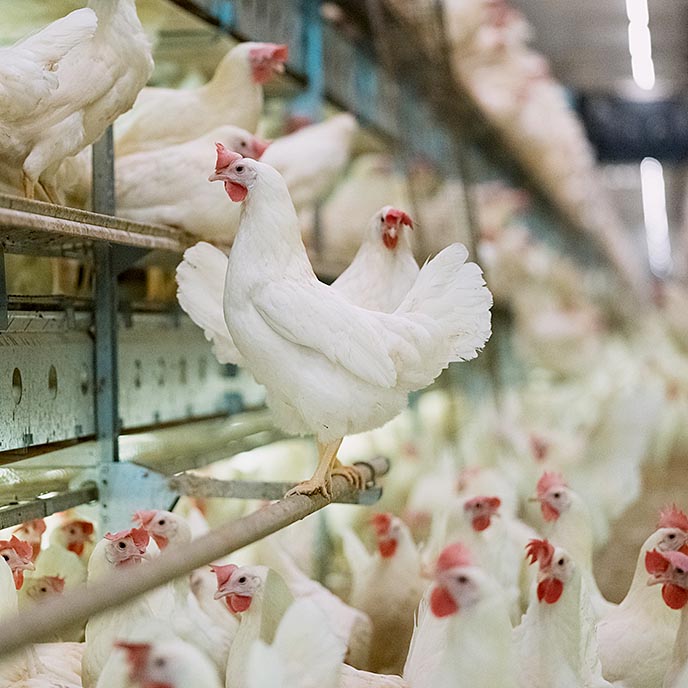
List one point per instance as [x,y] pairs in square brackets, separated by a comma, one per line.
[328,465]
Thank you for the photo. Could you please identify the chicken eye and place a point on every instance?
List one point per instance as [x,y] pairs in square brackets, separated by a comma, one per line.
[242,579]
[122,545]
[561,562]
[240,169]
[672,536]
[161,522]
[556,495]
[160,662]
[44,589]
[6,557]
[478,505]
[72,531]
[243,143]
[462,579]
[680,571]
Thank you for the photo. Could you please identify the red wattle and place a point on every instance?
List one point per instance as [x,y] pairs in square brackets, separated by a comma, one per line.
[481,523]
[549,513]
[390,241]
[442,603]
[387,548]
[160,540]
[674,596]
[238,603]
[18,579]
[550,590]
[236,192]
[76,547]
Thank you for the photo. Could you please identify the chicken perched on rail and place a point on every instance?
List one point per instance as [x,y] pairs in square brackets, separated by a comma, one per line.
[98,80]
[165,116]
[331,368]
[30,79]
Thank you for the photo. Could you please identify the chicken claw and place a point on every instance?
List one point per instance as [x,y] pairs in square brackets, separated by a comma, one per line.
[313,486]
[351,473]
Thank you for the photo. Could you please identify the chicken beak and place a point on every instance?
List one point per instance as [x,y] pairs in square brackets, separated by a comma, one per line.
[219,594]
[218,176]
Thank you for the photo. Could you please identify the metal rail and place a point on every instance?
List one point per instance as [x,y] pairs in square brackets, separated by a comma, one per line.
[76,606]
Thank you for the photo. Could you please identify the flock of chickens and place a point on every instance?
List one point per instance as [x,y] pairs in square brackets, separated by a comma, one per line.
[502,591]
[489,600]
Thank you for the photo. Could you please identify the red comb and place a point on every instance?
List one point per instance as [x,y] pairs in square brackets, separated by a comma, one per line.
[225,157]
[138,535]
[23,549]
[223,573]
[541,551]
[382,523]
[144,517]
[456,554]
[395,215]
[271,51]
[549,480]
[673,517]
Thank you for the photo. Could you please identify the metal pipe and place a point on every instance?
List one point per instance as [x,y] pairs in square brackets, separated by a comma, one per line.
[39,623]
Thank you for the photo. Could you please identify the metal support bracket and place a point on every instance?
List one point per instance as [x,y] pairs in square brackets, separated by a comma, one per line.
[126,487]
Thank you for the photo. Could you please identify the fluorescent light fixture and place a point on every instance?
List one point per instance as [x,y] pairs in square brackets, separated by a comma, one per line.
[655,214]
[640,44]
[637,12]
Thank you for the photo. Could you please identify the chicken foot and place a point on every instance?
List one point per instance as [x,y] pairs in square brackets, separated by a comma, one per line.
[351,473]
[321,481]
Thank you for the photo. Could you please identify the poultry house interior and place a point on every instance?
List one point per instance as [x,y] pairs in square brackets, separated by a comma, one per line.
[401,402]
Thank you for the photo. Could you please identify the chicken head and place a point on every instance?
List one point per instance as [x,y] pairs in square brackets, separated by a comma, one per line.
[481,510]
[236,585]
[267,59]
[553,495]
[555,569]
[32,532]
[74,535]
[670,570]
[387,528]
[237,173]
[126,547]
[454,584]
[18,555]
[44,586]
[164,527]
[388,223]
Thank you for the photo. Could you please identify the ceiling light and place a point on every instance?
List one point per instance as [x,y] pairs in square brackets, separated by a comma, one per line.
[655,214]
[640,44]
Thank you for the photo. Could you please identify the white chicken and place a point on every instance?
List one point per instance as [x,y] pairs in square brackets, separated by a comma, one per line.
[32,532]
[98,80]
[388,587]
[312,159]
[187,618]
[116,551]
[169,663]
[261,598]
[379,277]
[331,368]
[68,552]
[384,269]
[29,79]
[463,634]
[165,116]
[670,570]
[567,523]
[556,640]
[636,638]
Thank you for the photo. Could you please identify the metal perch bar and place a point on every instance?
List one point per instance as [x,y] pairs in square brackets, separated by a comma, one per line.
[201,486]
[39,623]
